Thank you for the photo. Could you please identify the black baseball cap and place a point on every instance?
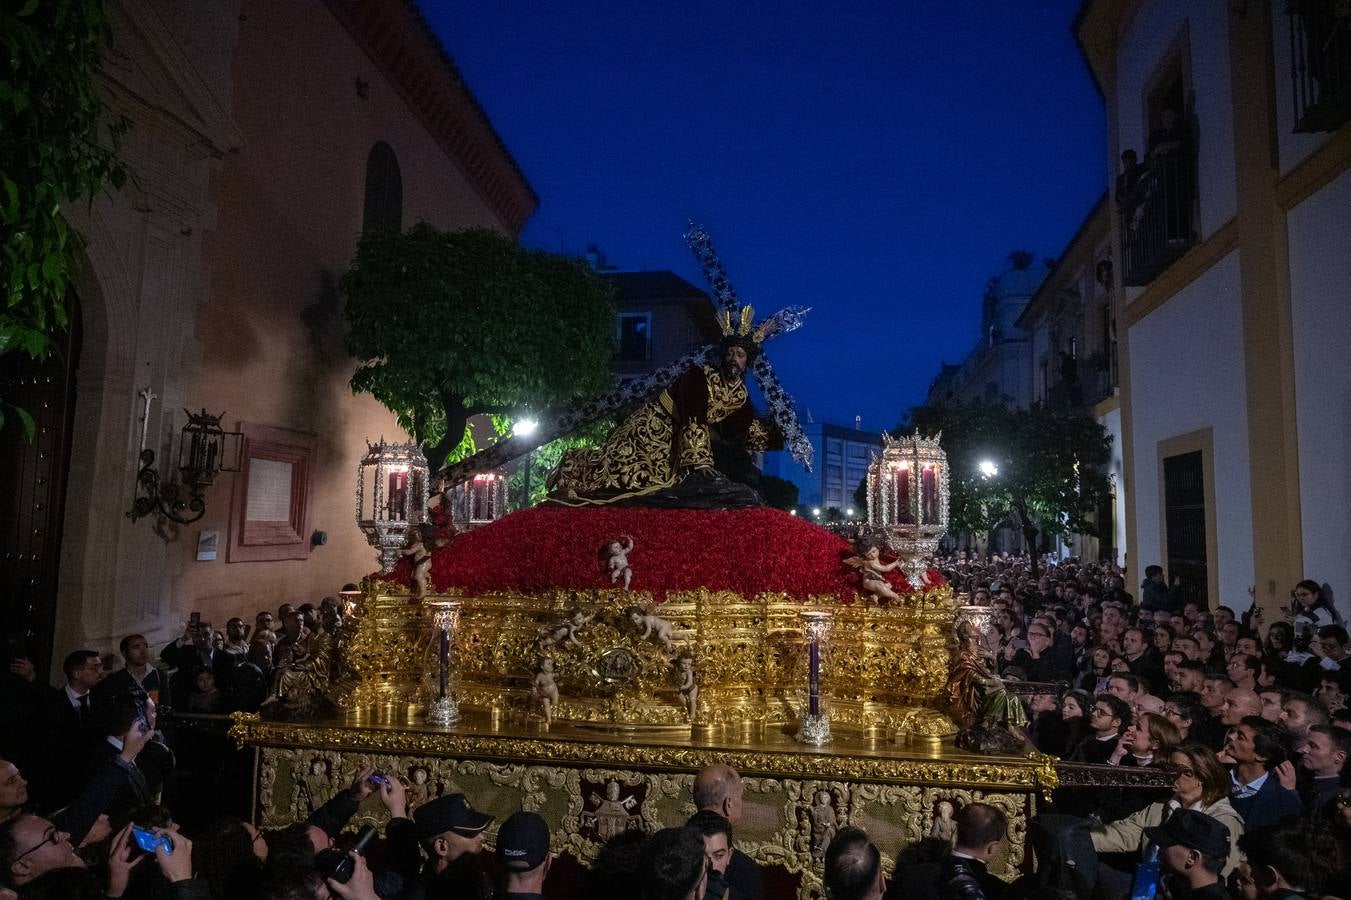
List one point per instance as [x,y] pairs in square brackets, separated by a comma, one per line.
[1193,830]
[449,813]
[523,841]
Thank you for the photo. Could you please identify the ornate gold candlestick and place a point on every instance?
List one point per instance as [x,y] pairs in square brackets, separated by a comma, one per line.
[445,616]
[815,728]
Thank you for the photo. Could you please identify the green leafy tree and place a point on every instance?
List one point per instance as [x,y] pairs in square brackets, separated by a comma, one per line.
[58,145]
[452,324]
[861,497]
[1049,468]
[778,493]
[545,459]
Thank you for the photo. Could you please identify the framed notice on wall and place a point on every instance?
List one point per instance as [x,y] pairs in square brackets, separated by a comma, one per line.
[206,544]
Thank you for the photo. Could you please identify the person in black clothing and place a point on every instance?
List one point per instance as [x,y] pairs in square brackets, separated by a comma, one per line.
[717,832]
[1107,718]
[1156,594]
[719,788]
[962,875]
[194,650]
[853,867]
[1045,661]
[1323,756]
[66,731]
[137,672]
[523,852]
[672,865]
[451,834]
[1129,177]
[1293,859]
[129,719]
[1193,848]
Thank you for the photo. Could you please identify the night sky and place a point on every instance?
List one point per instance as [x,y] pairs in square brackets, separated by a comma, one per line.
[875,161]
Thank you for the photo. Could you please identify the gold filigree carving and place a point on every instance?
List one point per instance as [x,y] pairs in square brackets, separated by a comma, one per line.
[777,827]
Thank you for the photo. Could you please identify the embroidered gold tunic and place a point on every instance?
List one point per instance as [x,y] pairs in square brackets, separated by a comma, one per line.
[659,442]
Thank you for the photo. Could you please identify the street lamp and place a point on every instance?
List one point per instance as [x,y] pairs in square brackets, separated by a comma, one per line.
[523,429]
[987,468]
[816,512]
[849,512]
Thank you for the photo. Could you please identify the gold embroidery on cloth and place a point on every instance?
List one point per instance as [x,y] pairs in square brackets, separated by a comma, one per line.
[757,437]
[642,454]
[694,446]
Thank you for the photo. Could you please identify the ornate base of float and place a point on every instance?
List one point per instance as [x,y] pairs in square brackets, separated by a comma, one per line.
[591,783]
[887,674]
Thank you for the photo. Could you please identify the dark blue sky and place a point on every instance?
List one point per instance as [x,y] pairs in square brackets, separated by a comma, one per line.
[875,161]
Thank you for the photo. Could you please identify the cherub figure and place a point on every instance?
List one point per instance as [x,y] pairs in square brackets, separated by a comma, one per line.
[872,573]
[546,689]
[614,557]
[564,631]
[824,824]
[655,628]
[689,683]
[944,826]
[422,540]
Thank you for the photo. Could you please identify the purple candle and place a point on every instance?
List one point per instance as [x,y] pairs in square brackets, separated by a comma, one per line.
[445,662]
[814,677]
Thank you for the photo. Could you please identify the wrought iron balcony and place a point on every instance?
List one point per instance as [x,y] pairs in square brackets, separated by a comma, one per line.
[1320,63]
[1157,218]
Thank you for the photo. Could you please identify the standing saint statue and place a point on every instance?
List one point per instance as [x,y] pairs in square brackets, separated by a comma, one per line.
[991,718]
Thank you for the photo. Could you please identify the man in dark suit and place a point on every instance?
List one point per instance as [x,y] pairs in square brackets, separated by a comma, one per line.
[128,721]
[962,874]
[718,788]
[1257,748]
[138,672]
[192,651]
[66,730]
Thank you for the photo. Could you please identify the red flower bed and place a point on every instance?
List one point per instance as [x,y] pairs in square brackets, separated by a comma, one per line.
[748,551]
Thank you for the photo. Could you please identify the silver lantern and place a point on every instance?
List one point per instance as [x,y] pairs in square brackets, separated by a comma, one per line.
[908,499]
[391,496]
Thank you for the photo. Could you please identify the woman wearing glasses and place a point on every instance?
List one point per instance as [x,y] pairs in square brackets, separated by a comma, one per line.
[1201,783]
[1313,609]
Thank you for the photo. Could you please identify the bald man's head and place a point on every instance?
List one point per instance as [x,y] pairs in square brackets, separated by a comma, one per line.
[1239,703]
[718,788]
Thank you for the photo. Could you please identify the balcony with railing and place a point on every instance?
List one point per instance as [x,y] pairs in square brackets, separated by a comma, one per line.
[1086,383]
[1157,218]
[1320,63]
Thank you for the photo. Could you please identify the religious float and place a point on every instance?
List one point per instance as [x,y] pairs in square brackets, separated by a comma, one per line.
[585,658]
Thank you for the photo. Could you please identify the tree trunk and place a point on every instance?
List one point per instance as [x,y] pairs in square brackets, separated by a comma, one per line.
[457,420]
[1030,533]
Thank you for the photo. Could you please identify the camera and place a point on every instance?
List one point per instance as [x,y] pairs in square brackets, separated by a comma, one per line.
[336,864]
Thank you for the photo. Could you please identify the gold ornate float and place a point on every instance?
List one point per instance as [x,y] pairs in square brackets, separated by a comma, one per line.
[888,671]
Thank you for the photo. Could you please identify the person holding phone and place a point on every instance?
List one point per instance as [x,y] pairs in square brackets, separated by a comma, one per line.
[129,722]
[192,651]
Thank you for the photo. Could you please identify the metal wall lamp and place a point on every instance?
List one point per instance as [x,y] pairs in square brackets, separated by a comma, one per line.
[204,450]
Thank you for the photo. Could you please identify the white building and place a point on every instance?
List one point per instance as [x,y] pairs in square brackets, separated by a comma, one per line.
[1072,352]
[1233,281]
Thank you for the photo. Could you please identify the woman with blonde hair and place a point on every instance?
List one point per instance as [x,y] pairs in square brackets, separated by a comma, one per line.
[1150,739]
[1201,783]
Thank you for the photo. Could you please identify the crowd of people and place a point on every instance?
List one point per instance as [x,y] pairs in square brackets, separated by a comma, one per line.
[1249,720]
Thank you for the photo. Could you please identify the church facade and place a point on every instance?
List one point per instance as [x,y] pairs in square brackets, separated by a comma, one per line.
[265,137]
